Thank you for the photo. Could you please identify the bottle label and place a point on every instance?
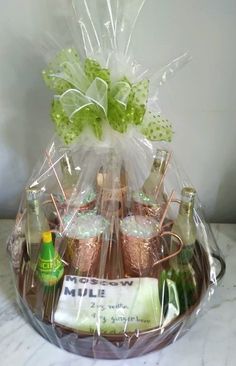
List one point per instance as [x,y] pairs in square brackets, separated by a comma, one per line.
[50,271]
[109,306]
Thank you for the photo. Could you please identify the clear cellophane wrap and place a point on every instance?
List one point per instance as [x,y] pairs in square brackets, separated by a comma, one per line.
[126,285]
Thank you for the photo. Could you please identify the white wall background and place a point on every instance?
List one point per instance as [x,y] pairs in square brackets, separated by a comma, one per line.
[201,99]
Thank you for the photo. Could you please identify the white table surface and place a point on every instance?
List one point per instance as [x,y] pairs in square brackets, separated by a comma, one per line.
[211,341]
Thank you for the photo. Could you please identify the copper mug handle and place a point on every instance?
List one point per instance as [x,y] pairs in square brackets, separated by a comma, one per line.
[174,200]
[181,244]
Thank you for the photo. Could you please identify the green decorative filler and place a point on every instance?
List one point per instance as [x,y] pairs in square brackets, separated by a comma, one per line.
[86,97]
[50,268]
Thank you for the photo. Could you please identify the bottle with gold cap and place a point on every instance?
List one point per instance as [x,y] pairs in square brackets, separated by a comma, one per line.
[151,199]
[36,223]
[185,226]
[156,175]
[49,268]
[182,267]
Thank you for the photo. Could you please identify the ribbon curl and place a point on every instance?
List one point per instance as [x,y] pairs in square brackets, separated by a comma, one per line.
[86,96]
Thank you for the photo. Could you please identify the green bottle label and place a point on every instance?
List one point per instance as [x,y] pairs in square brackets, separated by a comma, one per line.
[50,268]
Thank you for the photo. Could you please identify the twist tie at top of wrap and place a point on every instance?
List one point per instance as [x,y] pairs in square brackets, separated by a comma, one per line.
[86,96]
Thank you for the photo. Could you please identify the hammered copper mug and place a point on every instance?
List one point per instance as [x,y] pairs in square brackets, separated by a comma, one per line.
[143,253]
[83,255]
[143,205]
[83,248]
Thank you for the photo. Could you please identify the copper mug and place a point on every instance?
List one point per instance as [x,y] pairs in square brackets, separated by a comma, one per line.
[80,207]
[142,254]
[142,209]
[63,208]
[83,243]
[113,202]
[146,207]
[84,254]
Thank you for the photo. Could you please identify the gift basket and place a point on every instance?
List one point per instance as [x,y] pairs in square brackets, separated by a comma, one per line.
[111,255]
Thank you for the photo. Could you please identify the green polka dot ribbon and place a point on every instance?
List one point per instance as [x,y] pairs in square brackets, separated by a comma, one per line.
[85,96]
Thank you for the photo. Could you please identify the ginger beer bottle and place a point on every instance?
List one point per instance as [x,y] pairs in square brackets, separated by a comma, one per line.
[36,223]
[185,226]
[156,175]
[69,174]
[182,268]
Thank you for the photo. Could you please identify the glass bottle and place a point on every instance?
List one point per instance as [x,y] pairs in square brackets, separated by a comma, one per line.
[151,199]
[185,226]
[79,197]
[182,268]
[112,186]
[36,223]
[69,174]
[113,190]
[156,176]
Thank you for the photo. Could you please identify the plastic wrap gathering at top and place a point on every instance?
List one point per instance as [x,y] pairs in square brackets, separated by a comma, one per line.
[111,254]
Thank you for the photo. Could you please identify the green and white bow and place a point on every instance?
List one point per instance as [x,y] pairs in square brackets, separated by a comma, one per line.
[87,97]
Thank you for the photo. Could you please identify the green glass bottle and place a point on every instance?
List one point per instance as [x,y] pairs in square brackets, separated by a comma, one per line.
[185,226]
[49,268]
[36,223]
[182,267]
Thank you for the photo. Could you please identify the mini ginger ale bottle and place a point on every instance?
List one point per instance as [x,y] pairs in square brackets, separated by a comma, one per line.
[36,224]
[156,176]
[182,268]
[69,174]
[184,224]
